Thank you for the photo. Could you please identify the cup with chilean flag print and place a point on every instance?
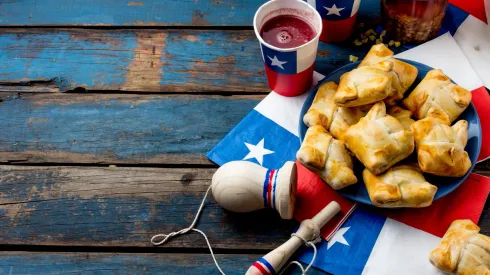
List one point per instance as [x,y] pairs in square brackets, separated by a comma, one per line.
[338,17]
[288,32]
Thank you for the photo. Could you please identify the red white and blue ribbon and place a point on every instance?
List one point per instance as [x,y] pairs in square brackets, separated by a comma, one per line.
[264,267]
[269,189]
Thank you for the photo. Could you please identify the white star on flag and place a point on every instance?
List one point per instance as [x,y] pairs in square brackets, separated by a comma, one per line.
[338,237]
[276,62]
[257,151]
[334,10]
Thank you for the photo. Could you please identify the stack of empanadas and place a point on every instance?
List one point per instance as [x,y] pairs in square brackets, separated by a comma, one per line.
[379,140]
[365,85]
[402,74]
[437,96]
[462,250]
[440,148]
[400,186]
[326,156]
[325,112]
[353,117]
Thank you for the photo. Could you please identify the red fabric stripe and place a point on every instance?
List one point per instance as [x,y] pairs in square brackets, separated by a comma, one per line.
[313,195]
[473,7]
[261,268]
[269,189]
[466,202]
[290,84]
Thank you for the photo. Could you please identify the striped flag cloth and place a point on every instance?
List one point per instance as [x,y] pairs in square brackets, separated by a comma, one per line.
[369,241]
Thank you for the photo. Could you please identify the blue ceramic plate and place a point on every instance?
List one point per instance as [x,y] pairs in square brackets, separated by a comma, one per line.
[445,185]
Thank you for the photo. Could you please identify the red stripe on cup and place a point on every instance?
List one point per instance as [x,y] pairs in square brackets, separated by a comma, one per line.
[290,84]
[337,31]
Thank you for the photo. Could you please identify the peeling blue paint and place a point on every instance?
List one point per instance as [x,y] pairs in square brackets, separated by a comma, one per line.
[123,129]
[212,60]
[141,12]
[87,63]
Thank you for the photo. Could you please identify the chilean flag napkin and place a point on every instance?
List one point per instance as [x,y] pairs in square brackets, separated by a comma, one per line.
[268,136]
[399,241]
[467,22]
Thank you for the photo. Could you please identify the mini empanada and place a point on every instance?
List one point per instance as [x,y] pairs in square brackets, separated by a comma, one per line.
[364,85]
[400,186]
[379,140]
[327,157]
[325,112]
[404,116]
[440,148]
[437,96]
[403,74]
[462,250]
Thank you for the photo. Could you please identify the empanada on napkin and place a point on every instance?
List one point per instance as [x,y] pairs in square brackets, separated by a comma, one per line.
[440,148]
[403,74]
[325,112]
[379,140]
[400,186]
[327,157]
[437,96]
[364,85]
[404,116]
[462,250]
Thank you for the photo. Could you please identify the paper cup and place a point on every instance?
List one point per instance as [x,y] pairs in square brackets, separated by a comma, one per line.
[338,18]
[289,71]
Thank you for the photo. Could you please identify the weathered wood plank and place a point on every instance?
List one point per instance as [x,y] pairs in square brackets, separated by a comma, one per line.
[111,128]
[125,207]
[140,12]
[127,263]
[88,206]
[142,60]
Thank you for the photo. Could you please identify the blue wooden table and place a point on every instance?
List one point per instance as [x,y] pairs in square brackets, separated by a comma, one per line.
[107,111]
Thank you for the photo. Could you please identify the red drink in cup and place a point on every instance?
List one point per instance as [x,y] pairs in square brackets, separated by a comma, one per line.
[288,31]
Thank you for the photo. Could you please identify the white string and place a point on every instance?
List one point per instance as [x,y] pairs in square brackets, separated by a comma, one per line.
[307,243]
[166,237]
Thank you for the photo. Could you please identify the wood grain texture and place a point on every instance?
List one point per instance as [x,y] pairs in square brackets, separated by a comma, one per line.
[50,60]
[125,207]
[141,12]
[127,263]
[115,129]
[88,206]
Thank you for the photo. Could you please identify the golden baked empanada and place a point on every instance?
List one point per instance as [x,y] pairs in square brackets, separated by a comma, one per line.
[364,85]
[403,74]
[378,140]
[325,112]
[462,250]
[327,157]
[404,116]
[437,96]
[400,186]
[440,148]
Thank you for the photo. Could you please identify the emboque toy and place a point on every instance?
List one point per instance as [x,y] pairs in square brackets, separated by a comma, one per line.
[242,186]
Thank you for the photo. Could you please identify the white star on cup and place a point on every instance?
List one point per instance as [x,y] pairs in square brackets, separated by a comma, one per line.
[276,62]
[334,10]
